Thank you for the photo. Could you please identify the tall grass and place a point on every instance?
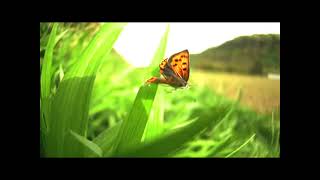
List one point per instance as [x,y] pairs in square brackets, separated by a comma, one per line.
[93,104]
[68,109]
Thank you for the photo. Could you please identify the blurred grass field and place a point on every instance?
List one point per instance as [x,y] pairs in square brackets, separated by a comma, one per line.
[258,93]
[95,104]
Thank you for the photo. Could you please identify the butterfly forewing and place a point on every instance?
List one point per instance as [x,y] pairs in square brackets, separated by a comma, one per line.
[179,63]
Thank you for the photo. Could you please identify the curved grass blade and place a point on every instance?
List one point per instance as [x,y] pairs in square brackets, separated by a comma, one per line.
[106,139]
[94,148]
[245,143]
[45,81]
[214,152]
[45,85]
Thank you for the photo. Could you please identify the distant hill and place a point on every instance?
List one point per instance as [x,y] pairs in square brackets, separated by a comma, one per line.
[256,54]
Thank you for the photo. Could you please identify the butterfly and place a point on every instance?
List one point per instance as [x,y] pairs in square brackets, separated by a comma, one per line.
[175,70]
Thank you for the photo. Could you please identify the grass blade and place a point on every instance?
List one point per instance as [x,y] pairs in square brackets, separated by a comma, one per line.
[45,85]
[132,129]
[220,146]
[106,139]
[272,127]
[245,143]
[158,56]
[154,126]
[45,81]
[47,64]
[88,144]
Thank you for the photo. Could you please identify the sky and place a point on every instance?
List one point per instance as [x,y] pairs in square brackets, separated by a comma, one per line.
[138,42]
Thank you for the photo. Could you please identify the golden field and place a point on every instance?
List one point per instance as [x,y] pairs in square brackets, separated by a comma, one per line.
[259,93]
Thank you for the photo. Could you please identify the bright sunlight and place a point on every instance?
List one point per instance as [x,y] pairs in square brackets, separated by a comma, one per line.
[138,41]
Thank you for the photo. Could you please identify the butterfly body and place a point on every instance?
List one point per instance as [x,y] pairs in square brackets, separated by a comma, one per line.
[175,70]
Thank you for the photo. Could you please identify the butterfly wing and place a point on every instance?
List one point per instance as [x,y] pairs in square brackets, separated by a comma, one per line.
[180,63]
[175,70]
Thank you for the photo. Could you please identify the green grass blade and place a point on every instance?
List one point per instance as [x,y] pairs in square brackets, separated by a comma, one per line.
[99,47]
[240,94]
[159,55]
[45,81]
[94,148]
[60,36]
[106,139]
[240,147]
[133,127]
[70,105]
[228,115]
[155,123]
[220,146]
[172,141]
[47,64]
[45,85]
[272,127]
[277,146]
[154,126]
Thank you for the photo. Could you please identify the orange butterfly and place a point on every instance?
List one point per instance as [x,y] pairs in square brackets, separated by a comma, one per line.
[175,71]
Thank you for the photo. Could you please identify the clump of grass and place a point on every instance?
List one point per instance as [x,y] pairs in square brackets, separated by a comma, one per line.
[68,108]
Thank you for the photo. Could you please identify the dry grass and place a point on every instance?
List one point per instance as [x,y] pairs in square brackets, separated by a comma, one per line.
[258,92]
